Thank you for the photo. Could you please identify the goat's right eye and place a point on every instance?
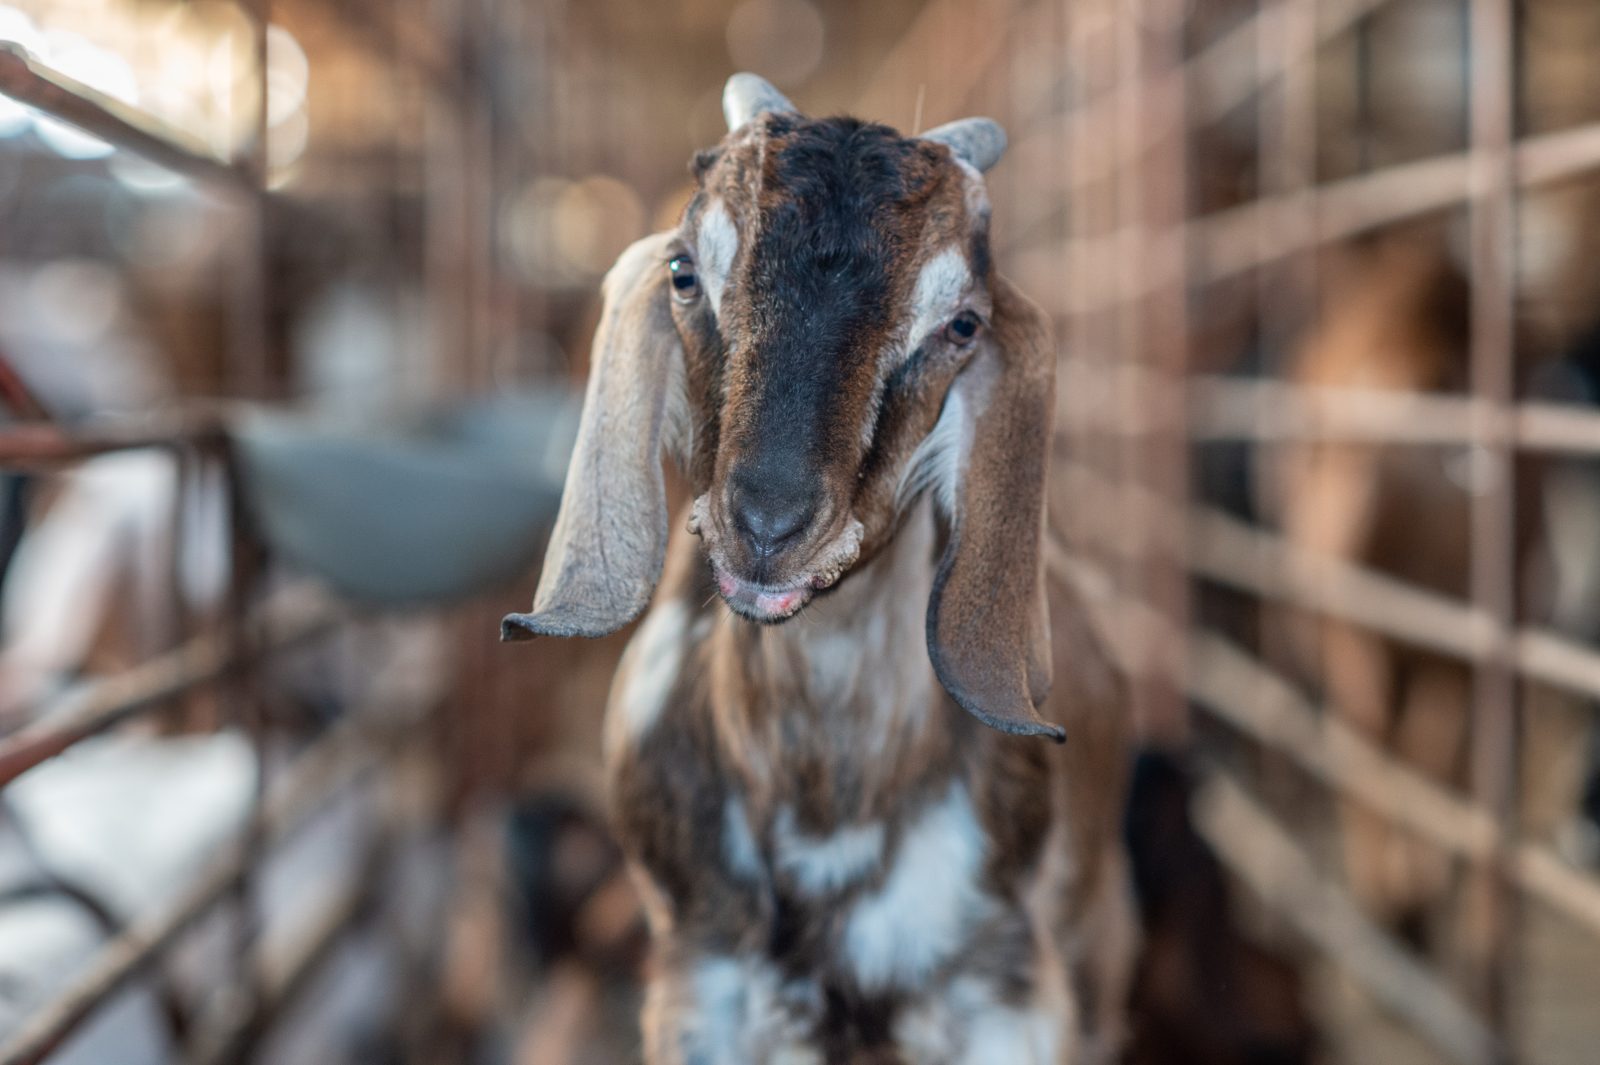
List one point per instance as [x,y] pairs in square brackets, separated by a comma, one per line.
[685,285]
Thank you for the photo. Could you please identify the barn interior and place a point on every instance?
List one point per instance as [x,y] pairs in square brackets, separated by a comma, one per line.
[296,299]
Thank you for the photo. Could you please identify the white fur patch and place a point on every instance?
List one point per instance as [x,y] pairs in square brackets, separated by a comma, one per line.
[741,1012]
[965,1024]
[1013,1037]
[936,463]
[717,242]
[723,993]
[647,672]
[943,283]
[738,844]
[923,913]
[826,864]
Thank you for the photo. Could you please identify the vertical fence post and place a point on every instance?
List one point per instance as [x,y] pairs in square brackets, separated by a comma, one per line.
[1160,349]
[249,375]
[1495,728]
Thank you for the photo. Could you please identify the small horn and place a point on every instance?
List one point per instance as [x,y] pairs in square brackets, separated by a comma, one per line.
[979,141]
[748,95]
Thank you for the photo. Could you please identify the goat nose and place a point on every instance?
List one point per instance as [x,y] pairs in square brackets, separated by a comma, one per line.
[768,523]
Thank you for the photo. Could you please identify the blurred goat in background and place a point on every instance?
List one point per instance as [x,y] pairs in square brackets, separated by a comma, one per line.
[1394,319]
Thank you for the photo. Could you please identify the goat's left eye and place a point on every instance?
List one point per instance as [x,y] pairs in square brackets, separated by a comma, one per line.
[962,328]
[685,285]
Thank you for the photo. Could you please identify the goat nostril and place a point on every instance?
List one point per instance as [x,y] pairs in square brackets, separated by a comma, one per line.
[767,527]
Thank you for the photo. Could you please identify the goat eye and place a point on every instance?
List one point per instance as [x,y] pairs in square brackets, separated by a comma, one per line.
[962,328]
[685,285]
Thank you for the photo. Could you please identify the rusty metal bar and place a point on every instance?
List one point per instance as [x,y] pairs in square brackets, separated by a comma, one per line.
[100,705]
[1233,553]
[285,973]
[1163,337]
[1233,685]
[1229,551]
[15,394]
[333,764]
[1228,240]
[1229,243]
[1270,411]
[26,80]
[1495,734]
[34,446]
[1259,849]
[1222,77]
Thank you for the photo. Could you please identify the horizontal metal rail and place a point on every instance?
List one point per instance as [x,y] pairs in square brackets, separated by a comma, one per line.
[1224,549]
[292,617]
[1233,685]
[335,763]
[1263,410]
[26,80]
[17,396]
[1233,242]
[35,446]
[1257,847]
[1223,75]
[284,973]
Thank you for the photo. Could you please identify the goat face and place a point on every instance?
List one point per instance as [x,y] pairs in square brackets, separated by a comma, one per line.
[837,275]
[819,344]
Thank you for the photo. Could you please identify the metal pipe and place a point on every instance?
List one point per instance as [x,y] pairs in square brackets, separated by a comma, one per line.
[26,80]
[1233,685]
[36,446]
[1257,847]
[333,764]
[97,706]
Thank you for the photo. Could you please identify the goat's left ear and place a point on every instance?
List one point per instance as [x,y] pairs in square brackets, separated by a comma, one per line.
[988,623]
[610,536]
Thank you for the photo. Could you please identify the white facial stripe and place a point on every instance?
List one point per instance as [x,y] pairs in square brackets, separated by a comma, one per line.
[717,242]
[940,287]
[936,464]
[929,902]
[820,865]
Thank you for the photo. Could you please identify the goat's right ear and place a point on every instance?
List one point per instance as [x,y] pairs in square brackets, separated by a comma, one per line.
[610,536]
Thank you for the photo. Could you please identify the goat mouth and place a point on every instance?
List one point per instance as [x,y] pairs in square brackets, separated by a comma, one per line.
[766,604]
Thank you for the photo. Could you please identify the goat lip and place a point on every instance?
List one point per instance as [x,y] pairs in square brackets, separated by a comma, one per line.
[759,602]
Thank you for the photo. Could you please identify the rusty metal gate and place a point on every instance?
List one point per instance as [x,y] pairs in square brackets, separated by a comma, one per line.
[381,760]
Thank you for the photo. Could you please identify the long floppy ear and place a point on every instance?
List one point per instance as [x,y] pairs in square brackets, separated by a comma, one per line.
[988,625]
[610,536]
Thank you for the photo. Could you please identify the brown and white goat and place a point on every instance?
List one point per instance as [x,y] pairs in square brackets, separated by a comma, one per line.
[838,865]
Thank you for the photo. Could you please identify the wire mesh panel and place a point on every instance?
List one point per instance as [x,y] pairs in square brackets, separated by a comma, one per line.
[1329,624]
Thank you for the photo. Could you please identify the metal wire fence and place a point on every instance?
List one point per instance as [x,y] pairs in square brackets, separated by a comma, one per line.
[1118,222]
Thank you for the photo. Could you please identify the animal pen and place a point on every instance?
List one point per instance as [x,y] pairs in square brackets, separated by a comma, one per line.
[1202,195]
